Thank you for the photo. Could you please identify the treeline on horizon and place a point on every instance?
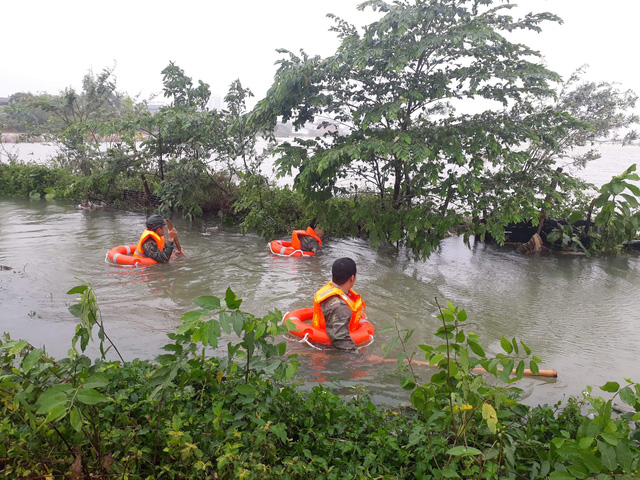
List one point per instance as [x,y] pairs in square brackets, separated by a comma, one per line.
[395,159]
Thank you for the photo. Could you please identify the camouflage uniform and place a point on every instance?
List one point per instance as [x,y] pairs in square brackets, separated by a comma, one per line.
[150,249]
[308,243]
[337,316]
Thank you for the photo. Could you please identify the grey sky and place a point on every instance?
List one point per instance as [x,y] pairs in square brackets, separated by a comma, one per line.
[49,45]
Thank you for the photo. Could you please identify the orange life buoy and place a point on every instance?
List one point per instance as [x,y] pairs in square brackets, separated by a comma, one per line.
[362,334]
[123,255]
[284,249]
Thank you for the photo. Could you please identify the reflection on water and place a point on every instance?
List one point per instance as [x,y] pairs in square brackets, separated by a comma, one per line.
[578,314]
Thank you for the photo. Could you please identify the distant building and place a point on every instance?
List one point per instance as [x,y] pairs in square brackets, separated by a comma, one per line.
[4,100]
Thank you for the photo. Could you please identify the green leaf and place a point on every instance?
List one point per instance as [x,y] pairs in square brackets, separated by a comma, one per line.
[31,359]
[260,330]
[407,383]
[476,348]
[76,310]
[624,455]
[238,323]
[75,419]
[462,451]
[608,456]
[232,300]
[191,316]
[280,431]
[592,462]
[225,323]
[208,302]
[610,438]
[246,390]
[628,397]
[18,346]
[610,387]
[560,475]
[506,345]
[448,473]
[633,201]
[578,471]
[214,333]
[435,359]
[89,396]
[78,289]
[96,380]
[55,397]
[165,358]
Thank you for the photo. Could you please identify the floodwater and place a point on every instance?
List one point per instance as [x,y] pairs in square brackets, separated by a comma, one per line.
[580,315]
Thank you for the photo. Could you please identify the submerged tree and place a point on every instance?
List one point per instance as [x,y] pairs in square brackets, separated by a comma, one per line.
[388,100]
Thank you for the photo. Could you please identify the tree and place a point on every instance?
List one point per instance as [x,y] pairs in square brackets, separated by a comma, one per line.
[75,118]
[22,116]
[579,115]
[389,99]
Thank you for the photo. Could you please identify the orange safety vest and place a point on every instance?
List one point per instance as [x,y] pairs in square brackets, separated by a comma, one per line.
[352,299]
[295,241]
[148,233]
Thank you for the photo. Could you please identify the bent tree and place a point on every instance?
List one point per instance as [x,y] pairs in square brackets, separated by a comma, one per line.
[397,139]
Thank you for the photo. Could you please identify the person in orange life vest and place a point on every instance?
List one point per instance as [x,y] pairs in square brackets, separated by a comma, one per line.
[338,307]
[307,240]
[152,243]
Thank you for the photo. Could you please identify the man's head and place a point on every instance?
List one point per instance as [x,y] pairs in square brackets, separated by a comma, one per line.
[342,270]
[316,228]
[154,222]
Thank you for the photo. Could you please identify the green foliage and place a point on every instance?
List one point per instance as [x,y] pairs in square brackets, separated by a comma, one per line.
[267,209]
[569,236]
[23,114]
[392,130]
[476,429]
[219,404]
[36,181]
[619,217]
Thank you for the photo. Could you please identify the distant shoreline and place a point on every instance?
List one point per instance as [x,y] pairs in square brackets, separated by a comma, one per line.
[7,137]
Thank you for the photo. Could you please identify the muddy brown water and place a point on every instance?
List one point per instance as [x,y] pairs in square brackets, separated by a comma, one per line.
[580,315]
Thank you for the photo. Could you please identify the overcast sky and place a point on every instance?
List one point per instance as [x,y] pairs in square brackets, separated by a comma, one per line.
[49,45]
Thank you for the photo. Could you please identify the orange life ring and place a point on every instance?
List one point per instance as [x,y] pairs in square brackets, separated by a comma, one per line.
[123,255]
[300,317]
[284,249]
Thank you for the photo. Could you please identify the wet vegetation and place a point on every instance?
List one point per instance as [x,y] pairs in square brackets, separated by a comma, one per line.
[394,150]
[394,159]
[222,402]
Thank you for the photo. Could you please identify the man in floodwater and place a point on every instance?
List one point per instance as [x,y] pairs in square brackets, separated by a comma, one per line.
[307,240]
[152,243]
[337,307]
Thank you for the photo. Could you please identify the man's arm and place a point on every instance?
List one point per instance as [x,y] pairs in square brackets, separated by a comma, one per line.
[151,250]
[337,316]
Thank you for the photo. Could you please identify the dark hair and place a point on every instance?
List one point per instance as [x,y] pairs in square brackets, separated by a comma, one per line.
[342,270]
[154,222]
[313,223]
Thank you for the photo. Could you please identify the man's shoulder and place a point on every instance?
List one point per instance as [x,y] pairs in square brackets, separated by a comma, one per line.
[334,304]
[333,300]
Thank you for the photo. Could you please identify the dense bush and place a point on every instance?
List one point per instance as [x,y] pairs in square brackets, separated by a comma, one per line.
[32,179]
[208,410]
